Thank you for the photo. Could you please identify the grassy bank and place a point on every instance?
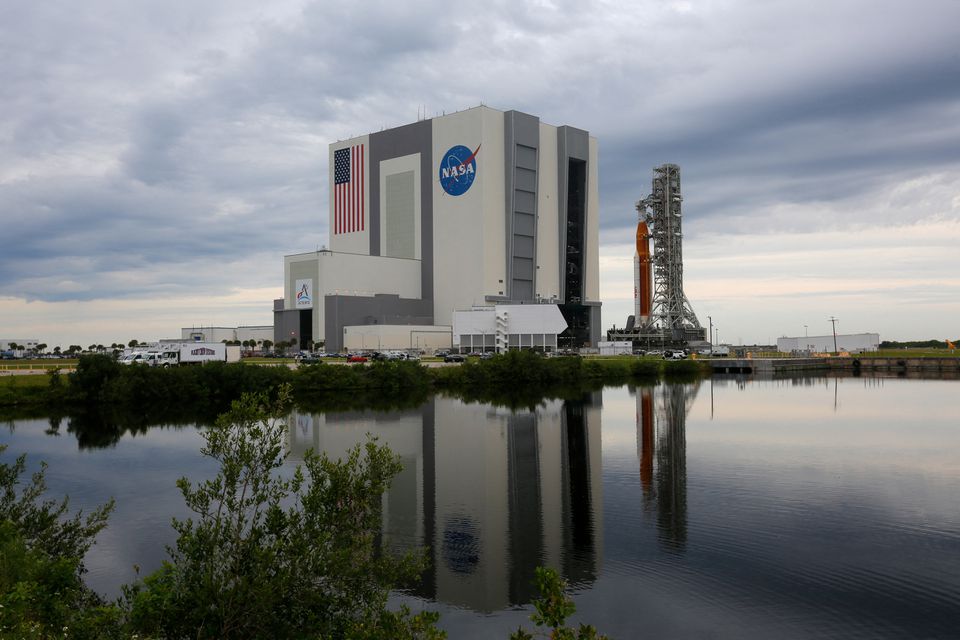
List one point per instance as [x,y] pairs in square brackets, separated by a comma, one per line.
[99,381]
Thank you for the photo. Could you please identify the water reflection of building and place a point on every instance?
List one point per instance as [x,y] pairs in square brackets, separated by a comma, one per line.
[662,449]
[491,493]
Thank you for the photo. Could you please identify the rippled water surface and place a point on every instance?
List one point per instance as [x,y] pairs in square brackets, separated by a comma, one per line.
[725,509]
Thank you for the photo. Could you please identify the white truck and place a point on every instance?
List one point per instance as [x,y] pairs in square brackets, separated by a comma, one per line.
[200,352]
[191,353]
[718,351]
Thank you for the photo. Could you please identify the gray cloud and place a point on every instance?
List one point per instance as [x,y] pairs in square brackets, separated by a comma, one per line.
[145,138]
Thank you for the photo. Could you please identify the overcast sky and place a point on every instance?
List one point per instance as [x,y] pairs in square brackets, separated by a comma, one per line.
[158,159]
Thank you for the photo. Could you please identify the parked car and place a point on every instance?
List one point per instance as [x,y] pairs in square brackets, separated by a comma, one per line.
[674,355]
[356,358]
[488,355]
[453,357]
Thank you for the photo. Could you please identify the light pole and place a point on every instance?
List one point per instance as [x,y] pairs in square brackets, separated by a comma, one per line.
[833,321]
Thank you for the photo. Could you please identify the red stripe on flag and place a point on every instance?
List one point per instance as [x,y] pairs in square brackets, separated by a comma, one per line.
[353,188]
[356,188]
[362,191]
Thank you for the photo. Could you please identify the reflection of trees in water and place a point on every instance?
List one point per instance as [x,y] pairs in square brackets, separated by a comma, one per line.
[101,428]
[662,444]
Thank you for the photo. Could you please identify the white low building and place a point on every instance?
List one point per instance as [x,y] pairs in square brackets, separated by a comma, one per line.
[23,344]
[508,326]
[259,333]
[615,347]
[851,343]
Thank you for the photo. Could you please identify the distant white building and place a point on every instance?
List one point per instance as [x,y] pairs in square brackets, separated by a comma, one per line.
[615,347]
[230,334]
[23,344]
[852,343]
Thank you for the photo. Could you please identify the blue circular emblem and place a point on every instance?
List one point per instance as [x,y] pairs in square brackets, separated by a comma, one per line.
[458,169]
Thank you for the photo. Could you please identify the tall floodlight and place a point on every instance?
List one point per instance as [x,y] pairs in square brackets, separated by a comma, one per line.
[671,314]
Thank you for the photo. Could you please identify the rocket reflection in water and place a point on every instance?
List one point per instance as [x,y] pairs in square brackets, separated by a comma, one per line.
[489,492]
[662,449]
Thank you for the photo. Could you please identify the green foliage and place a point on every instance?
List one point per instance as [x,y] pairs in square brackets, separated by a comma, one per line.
[684,369]
[916,344]
[92,377]
[44,524]
[395,378]
[645,368]
[42,594]
[552,610]
[279,555]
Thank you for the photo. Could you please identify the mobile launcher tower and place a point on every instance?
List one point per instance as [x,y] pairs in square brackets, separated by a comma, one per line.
[662,314]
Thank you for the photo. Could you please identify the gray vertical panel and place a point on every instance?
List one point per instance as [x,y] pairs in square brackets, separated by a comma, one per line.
[399,217]
[595,324]
[521,146]
[571,143]
[394,143]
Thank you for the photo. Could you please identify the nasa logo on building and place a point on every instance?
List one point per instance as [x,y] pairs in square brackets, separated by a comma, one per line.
[458,169]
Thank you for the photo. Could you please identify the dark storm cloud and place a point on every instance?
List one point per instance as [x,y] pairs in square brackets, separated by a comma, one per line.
[148,137]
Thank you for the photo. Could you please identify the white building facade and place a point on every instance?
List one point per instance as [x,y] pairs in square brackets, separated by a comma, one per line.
[480,207]
[508,326]
[852,343]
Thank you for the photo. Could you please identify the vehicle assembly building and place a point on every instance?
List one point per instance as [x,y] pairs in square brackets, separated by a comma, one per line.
[662,312]
[471,209]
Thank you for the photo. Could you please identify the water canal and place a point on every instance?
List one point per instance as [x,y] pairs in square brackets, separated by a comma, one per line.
[804,508]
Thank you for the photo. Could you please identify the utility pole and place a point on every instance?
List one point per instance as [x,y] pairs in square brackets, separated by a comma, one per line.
[833,321]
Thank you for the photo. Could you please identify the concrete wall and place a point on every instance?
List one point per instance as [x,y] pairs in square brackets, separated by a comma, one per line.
[343,311]
[348,274]
[383,337]
[469,244]
[548,239]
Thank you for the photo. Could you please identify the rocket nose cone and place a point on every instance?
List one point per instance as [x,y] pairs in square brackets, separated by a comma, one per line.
[643,247]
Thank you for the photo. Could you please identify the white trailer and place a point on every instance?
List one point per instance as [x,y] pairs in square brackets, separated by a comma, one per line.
[200,352]
[615,347]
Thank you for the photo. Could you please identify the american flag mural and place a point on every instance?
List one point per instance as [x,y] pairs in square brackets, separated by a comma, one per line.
[348,193]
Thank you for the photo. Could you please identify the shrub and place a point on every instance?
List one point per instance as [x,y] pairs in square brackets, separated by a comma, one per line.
[42,594]
[279,556]
[552,610]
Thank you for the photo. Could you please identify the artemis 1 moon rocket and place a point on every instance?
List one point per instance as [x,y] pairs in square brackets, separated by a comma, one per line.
[642,276]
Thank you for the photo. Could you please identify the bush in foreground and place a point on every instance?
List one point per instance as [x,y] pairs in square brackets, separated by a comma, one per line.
[275,556]
[42,593]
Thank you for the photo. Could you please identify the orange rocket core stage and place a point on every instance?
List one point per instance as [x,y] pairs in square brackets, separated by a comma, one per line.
[645,282]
